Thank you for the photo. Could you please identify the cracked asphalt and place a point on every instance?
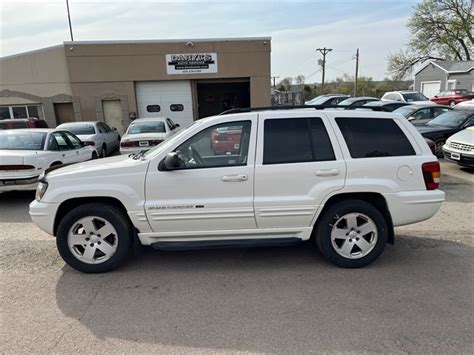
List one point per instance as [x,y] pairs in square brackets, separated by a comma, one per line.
[417,298]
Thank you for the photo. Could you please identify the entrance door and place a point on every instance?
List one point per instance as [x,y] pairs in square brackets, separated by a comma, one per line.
[113,114]
[64,112]
[214,98]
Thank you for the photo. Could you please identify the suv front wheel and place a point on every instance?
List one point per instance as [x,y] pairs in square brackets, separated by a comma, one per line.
[94,238]
[352,233]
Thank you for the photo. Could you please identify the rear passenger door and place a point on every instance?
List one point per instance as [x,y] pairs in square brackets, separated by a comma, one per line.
[298,164]
[66,150]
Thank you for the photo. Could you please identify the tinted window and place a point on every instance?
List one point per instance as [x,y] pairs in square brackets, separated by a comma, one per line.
[372,137]
[153,108]
[176,107]
[79,129]
[295,140]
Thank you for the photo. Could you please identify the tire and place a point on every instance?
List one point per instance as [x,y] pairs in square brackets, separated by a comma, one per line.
[116,246]
[94,156]
[452,103]
[104,151]
[345,251]
[438,147]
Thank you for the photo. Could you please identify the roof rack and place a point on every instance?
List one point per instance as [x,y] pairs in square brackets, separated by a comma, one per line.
[287,107]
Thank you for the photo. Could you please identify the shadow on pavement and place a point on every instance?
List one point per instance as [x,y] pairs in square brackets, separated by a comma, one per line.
[14,206]
[415,298]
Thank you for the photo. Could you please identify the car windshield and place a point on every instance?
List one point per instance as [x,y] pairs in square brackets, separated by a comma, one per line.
[405,110]
[14,140]
[349,101]
[79,129]
[414,96]
[450,119]
[147,127]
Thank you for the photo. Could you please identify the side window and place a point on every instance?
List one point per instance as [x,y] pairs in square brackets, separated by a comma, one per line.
[61,141]
[373,137]
[423,114]
[438,111]
[107,127]
[101,127]
[52,144]
[170,124]
[226,144]
[76,142]
[295,140]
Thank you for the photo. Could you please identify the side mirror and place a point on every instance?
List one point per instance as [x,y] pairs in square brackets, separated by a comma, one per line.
[171,162]
[411,118]
[176,124]
[114,128]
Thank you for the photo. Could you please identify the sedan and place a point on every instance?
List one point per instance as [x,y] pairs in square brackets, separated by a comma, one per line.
[145,133]
[421,114]
[26,153]
[96,134]
[452,97]
[357,101]
[327,99]
[445,125]
[460,148]
[387,105]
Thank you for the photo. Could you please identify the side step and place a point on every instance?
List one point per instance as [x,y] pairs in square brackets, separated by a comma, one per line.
[227,243]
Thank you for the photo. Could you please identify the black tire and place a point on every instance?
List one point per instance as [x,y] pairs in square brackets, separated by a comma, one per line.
[107,212]
[452,103]
[332,214]
[438,146]
[94,156]
[104,150]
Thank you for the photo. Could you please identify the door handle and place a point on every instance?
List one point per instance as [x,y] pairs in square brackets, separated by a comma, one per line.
[327,172]
[64,154]
[234,178]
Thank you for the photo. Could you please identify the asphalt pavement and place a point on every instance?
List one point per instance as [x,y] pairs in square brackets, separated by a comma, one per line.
[417,298]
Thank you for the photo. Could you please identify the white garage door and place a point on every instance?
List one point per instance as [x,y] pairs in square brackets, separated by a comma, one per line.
[165,99]
[430,89]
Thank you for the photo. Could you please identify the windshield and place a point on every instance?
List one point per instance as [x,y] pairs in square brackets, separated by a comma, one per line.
[348,101]
[79,129]
[10,140]
[415,96]
[451,119]
[147,127]
[405,110]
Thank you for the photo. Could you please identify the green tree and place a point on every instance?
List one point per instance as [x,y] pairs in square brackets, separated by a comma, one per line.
[440,29]
[284,84]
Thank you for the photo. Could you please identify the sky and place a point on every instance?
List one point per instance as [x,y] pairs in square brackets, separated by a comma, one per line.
[297,28]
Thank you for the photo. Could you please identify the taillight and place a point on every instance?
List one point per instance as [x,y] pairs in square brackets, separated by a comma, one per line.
[16,167]
[431,174]
[92,143]
[128,144]
[154,142]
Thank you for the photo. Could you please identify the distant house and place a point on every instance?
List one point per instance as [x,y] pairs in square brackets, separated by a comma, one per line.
[440,75]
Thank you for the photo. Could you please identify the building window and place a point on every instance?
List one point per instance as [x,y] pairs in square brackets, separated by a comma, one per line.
[19,112]
[33,111]
[176,107]
[153,108]
[4,113]
[23,111]
[451,85]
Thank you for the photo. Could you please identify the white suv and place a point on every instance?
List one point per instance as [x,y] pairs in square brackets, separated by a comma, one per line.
[343,178]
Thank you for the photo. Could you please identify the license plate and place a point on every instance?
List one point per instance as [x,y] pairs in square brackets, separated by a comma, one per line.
[455,156]
[143,144]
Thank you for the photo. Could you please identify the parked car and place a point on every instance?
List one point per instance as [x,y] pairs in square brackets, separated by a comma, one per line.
[445,125]
[421,114]
[357,101]
[412,97]
[226,140]
[145,133]
[26,153]
[452,97]
[327,182]
[327,99]
[17,123]
[468,105]
[386,105]
[460,148]
[97,134]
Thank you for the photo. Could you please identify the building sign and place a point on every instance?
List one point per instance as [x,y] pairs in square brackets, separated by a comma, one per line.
[191,63]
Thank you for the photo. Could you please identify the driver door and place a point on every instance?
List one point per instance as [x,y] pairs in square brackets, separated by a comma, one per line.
[213,189]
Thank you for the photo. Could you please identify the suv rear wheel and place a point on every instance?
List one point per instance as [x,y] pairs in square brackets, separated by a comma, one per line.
[352,233]
[94,238]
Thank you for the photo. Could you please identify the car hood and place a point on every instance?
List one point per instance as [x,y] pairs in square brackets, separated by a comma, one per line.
[16,157]
[466,136]
[99,169]
[143,137]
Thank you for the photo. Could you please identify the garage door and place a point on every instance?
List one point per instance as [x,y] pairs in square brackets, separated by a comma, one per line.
[430,89]
[165,99]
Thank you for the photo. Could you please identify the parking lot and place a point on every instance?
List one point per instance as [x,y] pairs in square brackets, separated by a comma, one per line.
[418,297]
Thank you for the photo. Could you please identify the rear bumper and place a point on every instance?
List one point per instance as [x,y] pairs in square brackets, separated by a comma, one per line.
[43,215]
[20,184]
[413,206]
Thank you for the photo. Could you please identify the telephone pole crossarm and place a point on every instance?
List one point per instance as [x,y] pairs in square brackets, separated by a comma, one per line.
[323,51]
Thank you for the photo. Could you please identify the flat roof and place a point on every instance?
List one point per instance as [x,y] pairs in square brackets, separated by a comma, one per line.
[180,40]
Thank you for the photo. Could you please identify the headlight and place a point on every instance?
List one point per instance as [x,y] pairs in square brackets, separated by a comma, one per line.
[40,190]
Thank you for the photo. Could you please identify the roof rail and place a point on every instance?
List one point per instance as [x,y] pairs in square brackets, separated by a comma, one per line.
[287,107]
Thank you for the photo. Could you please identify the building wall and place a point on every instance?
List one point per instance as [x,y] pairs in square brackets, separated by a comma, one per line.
[464,80]
[430,73]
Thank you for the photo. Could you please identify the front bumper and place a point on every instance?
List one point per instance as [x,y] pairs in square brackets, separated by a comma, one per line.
[23,184]
[465,159]
[43,215]
[413,206]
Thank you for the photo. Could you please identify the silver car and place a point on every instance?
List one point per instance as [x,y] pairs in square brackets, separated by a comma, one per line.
[104,139]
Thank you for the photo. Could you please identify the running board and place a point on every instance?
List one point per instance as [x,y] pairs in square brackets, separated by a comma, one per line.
[229,243]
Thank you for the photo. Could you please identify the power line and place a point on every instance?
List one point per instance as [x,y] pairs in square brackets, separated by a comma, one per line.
[323,51]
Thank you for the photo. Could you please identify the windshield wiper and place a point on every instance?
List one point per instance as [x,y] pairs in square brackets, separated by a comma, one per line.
[139,154]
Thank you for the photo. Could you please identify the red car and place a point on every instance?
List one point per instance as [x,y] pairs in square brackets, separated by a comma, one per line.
[226,140]
[16,123]
[452,97]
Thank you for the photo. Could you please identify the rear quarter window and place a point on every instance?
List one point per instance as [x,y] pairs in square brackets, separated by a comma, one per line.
[374,137]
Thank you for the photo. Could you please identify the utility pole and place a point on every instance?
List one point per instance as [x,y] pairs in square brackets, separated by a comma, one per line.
[273,78]
[356,72]
[323,51]
[69,18]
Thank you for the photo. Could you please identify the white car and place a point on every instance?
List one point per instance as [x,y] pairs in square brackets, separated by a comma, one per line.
[343,178]
[459,148]
[412,97]
[468,104]
[145,133]
[26,153]
[97,134]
